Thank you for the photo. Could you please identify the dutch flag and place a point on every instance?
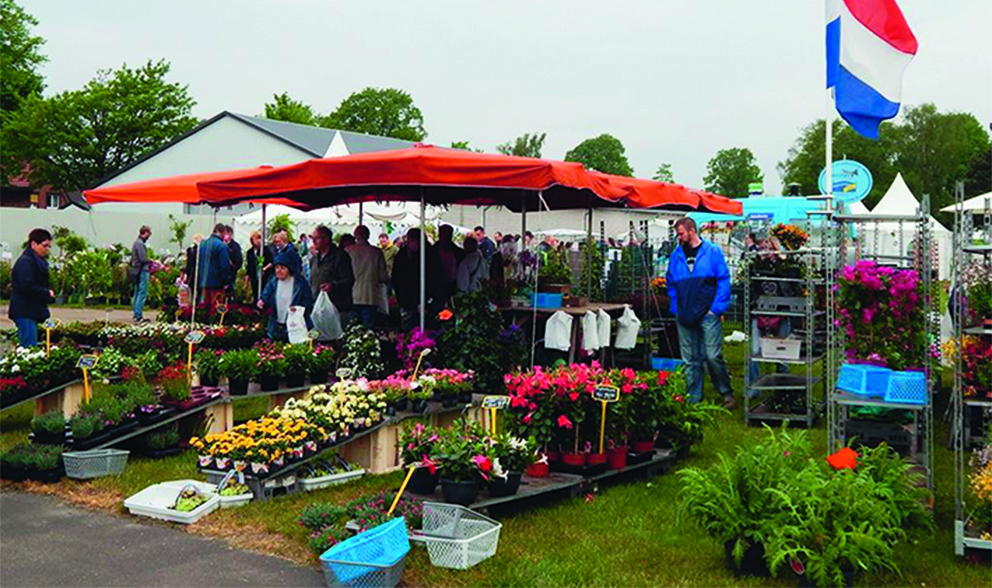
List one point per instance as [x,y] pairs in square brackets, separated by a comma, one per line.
[869,45]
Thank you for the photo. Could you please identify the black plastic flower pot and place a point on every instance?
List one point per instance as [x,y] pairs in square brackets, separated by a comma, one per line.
[268,383]
[317,378]
[295,380]
[390,409]
[463,493]
[418,406]
[465,397]
[753,562]
[402,404]
[449,401]
[210,381]
[423,481]
[507,486]
[237,387]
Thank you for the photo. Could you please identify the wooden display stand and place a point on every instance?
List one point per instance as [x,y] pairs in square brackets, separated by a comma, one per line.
[66,400]
[221,416]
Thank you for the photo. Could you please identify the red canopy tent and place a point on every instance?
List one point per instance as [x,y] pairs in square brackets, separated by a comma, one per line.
[649,194]
[174,189]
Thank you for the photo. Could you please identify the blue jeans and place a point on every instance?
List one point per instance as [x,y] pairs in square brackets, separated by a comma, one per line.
[703,345]
[140,294]
[365,314]
[27,332]
[783,330]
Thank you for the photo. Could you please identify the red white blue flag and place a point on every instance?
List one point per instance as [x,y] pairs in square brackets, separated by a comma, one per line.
[869,45]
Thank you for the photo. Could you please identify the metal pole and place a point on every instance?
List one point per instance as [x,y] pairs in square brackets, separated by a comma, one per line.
[361,213]
[196,268]
[589,255]
[537,270]
[423,261]
[261,260]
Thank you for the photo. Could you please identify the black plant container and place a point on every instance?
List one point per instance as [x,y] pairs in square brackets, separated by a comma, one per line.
[463,493]
[507,487]
[423,481]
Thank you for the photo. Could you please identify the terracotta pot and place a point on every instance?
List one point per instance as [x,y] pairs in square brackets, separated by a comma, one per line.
[537,470]
[574,459]
[597,458]
[643,446]
[617,458]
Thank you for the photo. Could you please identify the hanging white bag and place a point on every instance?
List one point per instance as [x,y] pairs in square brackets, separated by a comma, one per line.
[326,318]
[296,325]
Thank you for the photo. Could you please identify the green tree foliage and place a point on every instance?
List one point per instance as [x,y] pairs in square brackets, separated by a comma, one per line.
[525,145]
[286,109]
[664,174]
[20,57]
[178,227]
[73,139]
[604,153]
[282,222]
[384,112]
[979,180]
[730,171]
[807,155]
[464,146]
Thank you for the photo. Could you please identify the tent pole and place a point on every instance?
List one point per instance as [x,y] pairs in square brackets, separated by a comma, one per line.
[196,268]
[423,261]
[589,254]
[523,219]
[537,270]
[361,213]
[261,259]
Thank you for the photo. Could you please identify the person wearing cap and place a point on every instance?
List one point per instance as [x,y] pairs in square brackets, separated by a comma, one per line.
[285,290]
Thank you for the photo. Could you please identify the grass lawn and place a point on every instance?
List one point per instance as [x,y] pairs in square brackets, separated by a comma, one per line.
[630,535]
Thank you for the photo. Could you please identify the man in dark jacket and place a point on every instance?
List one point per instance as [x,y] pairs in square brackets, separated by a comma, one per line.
[406,281]
[214,267]
[30,293]
[237,258]
[450,257]
[331,272]
[139,270]
[699,289]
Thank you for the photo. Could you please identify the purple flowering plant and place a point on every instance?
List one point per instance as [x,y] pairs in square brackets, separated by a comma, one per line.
[409,347]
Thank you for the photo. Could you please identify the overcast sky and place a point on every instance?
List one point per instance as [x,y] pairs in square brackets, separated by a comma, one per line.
[675,80]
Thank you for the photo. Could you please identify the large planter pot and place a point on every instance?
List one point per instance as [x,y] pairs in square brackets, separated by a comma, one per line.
[237,387]
[423,481]
[538,470]
[296,380]
[317,378]
[507,486]
[575,459]
[463,493]
[268,384]
[617,458]
[753,562]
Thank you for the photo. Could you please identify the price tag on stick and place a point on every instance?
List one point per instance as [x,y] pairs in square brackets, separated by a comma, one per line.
[86,363]
[48,325]
[192,338]
[605,395]
[313,335]
[492,404]
[222,309]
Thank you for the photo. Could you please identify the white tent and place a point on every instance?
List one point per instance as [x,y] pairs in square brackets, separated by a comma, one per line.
[978,204]
[899,200]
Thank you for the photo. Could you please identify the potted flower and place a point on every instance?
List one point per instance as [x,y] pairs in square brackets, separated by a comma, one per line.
[271,366]
[417,444]
[239,367]
[463,462]
[419,394]
[321,364]
[297,364]
[174,381]
[394,389]
[208,366]
[512,455]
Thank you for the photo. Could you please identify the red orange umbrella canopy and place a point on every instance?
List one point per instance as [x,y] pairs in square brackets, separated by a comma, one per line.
[172,189]
[643,194]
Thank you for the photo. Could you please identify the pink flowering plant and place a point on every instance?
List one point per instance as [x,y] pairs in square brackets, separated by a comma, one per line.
[881,312]
[410,346]
[451,382]
[394,388]
[417,444]
[271,360]
[463,454]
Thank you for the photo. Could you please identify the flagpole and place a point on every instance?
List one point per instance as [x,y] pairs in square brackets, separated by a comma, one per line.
[829,122]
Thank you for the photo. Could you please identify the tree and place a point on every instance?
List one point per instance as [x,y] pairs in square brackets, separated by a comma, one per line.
[384,112]
[664,174]
[464,146]
[979,180]
[806,157]
[604,153]
[282,222]
[730,171]
[286,109]
[525,145]
[73,139]
[178,228]
[19,57]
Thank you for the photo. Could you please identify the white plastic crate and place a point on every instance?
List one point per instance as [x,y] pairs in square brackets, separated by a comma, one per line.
[308,484]
[155,500]
[458,537]
[772,348]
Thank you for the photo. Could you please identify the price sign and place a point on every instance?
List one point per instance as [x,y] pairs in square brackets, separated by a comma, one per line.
[48,325]
[344,373]
[195,337]
[222,309]
[494,403]
[87,362]
[606,393]
[52,323]
[313,334]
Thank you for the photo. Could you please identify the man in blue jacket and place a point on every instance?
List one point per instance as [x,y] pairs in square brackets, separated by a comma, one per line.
[699,289]
[215,266]
[30,293]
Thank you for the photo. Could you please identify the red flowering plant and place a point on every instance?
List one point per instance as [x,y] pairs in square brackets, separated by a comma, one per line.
[976,372]
[882,315]
[271,360]
[174,381]
[12,387]
[462,455]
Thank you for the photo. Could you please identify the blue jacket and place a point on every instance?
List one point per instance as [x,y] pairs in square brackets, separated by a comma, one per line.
[29,295]
[301,292]
[706,289]
[215,263]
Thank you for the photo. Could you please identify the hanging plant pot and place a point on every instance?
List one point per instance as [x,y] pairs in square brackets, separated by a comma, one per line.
[538,470]
[617,458]
[463,493]
[295,380]
[237,387]
[423,481]
[268,383]
[505,486]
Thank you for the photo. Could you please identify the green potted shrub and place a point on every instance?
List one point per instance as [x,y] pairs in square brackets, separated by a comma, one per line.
[208,366]
[298,361]
[419,394]
[49,428]
[322,364]
[32,462]
[239,367]
[161,442]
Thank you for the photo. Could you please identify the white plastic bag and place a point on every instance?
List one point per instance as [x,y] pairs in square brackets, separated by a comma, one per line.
[296,325]
[326,318]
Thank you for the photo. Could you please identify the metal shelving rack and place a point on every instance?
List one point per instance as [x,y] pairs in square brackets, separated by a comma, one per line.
[912,230]
[812,353]
[965,251]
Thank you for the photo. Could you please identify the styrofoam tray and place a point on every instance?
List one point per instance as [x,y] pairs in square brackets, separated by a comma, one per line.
[332,480]
[233,501]
[155,500]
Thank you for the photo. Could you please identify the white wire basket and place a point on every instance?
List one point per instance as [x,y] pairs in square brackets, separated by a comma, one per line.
[458,537]
[83,465]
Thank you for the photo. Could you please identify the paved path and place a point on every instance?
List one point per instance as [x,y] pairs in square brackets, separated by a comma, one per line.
[45,542]
[81,314]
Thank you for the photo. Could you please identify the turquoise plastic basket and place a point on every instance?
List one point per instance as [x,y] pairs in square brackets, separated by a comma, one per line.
[907,388]
[864,380]
[546,300]
[665,363]
[370,559]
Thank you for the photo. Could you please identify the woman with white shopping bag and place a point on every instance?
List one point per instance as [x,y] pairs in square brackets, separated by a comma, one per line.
[286,294]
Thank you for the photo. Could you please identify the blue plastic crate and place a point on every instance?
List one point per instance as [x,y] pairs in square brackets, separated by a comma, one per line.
[370,559]
[665,363]
[546,300]
[907,388]
[864,380]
